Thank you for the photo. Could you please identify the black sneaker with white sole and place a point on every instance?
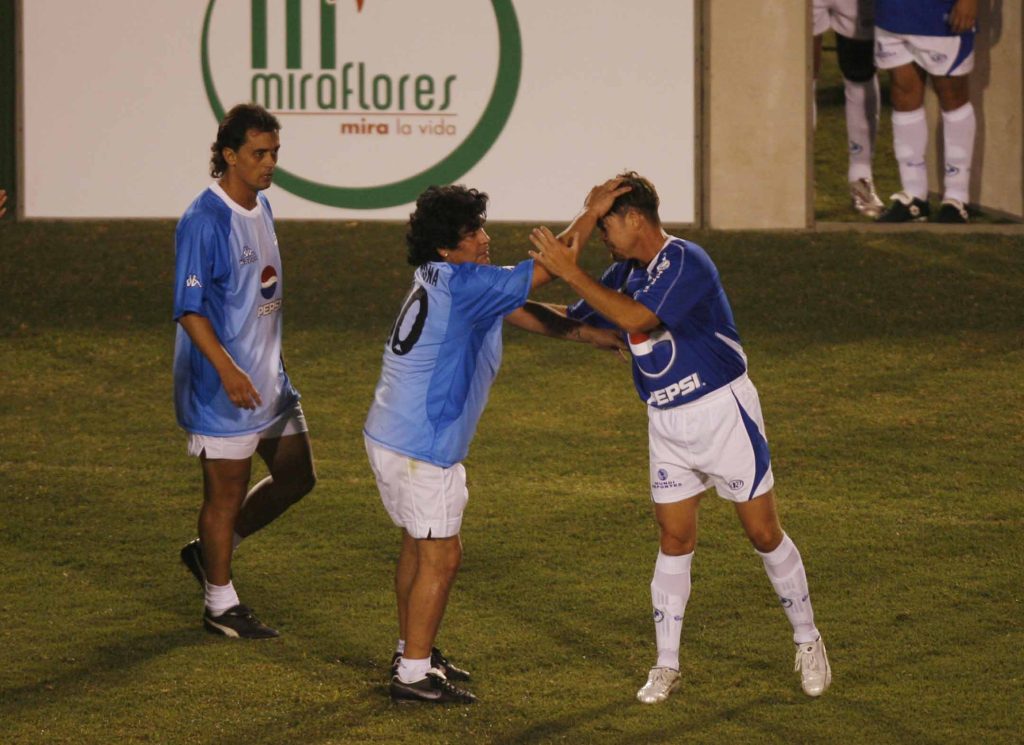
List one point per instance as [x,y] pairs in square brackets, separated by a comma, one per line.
[953,211]
[238,622]
[192,558]
[438,660]
[433,689]
[905,208]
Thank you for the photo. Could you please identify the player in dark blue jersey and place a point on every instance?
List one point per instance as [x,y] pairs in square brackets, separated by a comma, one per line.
[231,392]
[915,40]
[705,424]
[440,359]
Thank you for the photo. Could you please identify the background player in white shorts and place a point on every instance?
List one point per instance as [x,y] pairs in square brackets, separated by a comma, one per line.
[705,423]
[916,39]
[853,23]
[440,360]
[231,392]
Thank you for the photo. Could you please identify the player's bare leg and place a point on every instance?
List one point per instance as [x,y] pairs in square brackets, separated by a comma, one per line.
[437,563]
[785,569]
[224,484]
[292,476]
[417,677]
[670,591]
[405,574]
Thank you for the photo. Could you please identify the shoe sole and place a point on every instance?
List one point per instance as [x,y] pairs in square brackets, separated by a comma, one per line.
[215,628]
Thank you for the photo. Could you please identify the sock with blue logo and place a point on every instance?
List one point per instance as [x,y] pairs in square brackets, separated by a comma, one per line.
[670,589]
[785,569]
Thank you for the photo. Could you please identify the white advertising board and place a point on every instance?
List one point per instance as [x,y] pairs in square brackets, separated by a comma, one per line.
[533,101]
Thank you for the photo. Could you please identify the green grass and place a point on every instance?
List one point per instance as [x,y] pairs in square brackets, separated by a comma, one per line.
[890,370]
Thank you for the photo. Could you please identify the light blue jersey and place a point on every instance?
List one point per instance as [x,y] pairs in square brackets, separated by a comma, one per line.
[916,17]
[228,270]
[696,349]
[441,357]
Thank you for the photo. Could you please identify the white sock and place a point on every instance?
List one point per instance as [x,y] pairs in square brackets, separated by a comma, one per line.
[785,569]
[861,125]
[220,597]
[400,647]
[909,141]
[958,141]
[409,671]
[670,589]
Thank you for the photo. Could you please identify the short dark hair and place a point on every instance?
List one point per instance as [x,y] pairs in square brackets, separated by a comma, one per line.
[233,130]
[444,216]
[642,197]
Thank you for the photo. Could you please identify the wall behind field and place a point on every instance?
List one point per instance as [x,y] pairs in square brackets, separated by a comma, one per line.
[533,102]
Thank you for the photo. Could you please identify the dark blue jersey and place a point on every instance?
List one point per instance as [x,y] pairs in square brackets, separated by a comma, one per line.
[915,17]
[696,349]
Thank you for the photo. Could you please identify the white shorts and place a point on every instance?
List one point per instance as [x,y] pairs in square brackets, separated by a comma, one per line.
[717,440]
[937,55]
[240,447]
[426,500]
[854,19]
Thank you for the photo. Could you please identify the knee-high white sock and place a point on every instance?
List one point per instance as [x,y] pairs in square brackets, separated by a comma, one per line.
[785,569]
[861,125]
[909,141]
[958,128]
[670,589]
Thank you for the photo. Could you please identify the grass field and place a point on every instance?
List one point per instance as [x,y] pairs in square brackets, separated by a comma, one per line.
[890,370]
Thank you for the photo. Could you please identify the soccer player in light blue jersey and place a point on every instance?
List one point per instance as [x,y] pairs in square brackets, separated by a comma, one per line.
[440,359]
[705,424]
[231,392]
[915,40]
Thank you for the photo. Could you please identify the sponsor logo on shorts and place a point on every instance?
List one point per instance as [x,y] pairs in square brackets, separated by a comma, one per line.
[938,57]
[193,281]
[248,256]
[736,484]
[662,474]
[267,308]
[669,393]
[268,282]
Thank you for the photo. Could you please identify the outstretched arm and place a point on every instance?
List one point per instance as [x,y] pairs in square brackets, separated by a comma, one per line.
[597,204]
[550,320]
[560,260]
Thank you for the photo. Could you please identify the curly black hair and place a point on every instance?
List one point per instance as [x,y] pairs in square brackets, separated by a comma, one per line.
[234,128]
[444,216]
[642,197]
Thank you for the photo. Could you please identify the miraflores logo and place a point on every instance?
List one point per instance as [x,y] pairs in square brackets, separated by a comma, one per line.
[377,100]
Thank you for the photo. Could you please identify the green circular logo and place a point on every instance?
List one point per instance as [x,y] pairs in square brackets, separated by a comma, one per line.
[467,154]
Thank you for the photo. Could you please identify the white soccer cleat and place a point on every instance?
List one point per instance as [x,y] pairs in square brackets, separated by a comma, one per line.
[864,198]
[812,664]
[661,681]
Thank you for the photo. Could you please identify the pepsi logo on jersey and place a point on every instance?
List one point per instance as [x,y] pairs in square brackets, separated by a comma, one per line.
[268,282]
